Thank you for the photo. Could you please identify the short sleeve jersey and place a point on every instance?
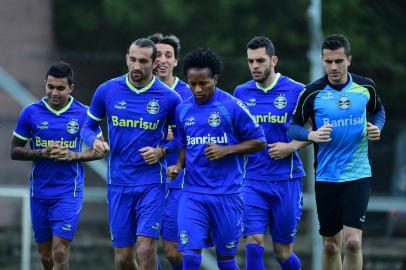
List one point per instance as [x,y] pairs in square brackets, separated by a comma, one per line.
[345,157]
[136,118]
[272,108]
[223,120]
[41,125]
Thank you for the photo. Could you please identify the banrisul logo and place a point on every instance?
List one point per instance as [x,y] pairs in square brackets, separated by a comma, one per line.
[153,106]
[121,105]
[280,102]
[214,119]
[344,102]
[73,126]
[207,139]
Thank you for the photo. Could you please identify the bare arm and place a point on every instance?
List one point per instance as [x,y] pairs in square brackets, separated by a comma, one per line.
[214,151]
[19,152]
[282,150]
[173,171]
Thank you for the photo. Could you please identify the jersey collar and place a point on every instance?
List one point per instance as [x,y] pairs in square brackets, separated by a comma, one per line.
[139,91]
[269,87]
[175,83]
[61,111]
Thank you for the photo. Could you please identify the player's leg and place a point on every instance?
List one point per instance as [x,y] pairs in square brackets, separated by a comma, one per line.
[226,231]
[149,208]
[122,221]
[329,211]
[256,219]
[170,229]
[354,212]
[60,253]
[45,253]
[193,227]
[42,231]
[286,211]
[64,216]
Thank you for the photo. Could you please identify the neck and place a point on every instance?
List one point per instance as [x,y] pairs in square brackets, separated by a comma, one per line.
[268,81]
[142,83]
[59,107]
[169,81]
[342,81]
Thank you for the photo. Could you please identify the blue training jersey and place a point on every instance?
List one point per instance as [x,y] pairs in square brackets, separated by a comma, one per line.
[272,108]
[41,125]
[223,120]
[345,157]
[184,91]
[136,118]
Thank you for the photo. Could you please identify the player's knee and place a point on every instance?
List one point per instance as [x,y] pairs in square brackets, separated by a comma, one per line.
[352,245]
[171,252]
[331,248]
[124,259]
[46,258]
[256,239]
[60,255]
[282,254]
[145,251]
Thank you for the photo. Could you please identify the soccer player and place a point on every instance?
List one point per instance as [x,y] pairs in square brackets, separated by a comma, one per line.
[272,181]
[52,127]
[216,130]
[138,108]
[168,49]
[346,112]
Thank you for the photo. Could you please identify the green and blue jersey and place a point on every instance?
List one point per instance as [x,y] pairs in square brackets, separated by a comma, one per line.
[136,118]
[272,108]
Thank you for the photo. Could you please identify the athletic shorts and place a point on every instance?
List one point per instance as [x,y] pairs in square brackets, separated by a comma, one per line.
[206,219]
[274,204]
[55,217]
[170,222]
[340,204]
[135,211]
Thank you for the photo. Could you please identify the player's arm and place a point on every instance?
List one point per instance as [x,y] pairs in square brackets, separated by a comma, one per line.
[20,152]
[376,112]
[173,171]
[281,150]
[215,151]
[88,155]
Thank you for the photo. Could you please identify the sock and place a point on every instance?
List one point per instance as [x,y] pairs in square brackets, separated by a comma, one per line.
[191,260]
[158,263]
[291,263]
[255,260]
[228,265]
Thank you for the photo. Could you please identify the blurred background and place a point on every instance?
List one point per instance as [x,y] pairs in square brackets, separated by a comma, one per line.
[93,36]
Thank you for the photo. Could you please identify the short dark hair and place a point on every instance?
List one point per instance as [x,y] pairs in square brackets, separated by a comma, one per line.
[145,43]
[335,42]
[61,69]
[170,40]
[262,42]
[203,58]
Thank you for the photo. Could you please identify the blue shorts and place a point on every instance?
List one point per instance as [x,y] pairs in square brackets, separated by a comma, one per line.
[55,217]
[170,222]
[135,211]
[277,204]
[205,219]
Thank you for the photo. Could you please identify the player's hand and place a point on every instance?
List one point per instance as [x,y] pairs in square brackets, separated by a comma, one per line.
[374,133]
[215,152]
[280,150]
[58,152]
[151,155]
[100,148]
[321,135]
[173,171]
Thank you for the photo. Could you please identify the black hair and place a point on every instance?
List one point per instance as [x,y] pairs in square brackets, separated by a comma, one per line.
[145,43]
[170,40]
[262,42]
[61,69]
[335,42]
[203,58]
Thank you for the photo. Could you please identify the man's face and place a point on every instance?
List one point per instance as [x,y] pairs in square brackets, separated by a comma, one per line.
[260,64]
[140,64]
[336,64]
[202,83]
[57,91]
[165,60]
